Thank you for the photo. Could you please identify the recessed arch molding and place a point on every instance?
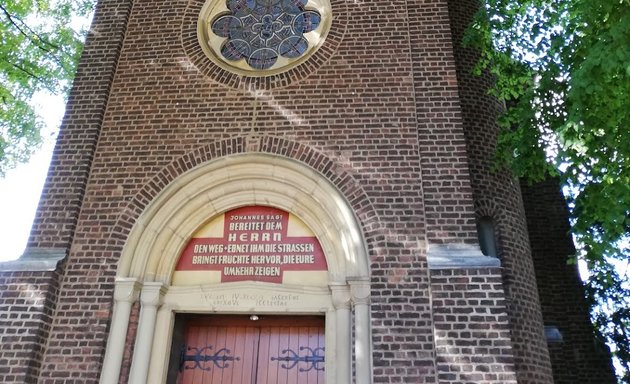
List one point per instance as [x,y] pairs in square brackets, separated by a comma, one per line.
[224,175]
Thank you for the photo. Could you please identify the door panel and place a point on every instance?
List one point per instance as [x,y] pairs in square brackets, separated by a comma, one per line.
[265,353]
[219,355]
[292,345]
[296,355]
[247,351]
[236,350]
[283,374]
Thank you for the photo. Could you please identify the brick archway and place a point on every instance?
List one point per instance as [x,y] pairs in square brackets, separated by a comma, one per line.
[162,230]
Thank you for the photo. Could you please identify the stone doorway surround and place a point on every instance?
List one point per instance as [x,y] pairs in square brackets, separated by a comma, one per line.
[159,235]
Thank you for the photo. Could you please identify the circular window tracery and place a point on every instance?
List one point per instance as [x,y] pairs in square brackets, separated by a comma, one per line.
[262,37]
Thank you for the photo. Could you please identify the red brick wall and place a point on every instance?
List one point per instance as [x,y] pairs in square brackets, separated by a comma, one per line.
[27,302]
[355,115]
[56,218]
[378,115]
[497,194]
[78,324]
[472,331]
[448,208]
[579,358]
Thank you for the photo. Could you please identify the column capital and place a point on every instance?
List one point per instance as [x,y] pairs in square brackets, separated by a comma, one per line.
[341,297]
[152,294]
[126,290]
[360,290]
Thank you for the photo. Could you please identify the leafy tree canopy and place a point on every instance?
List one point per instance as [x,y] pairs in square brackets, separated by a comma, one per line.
[38,52]
[562,67]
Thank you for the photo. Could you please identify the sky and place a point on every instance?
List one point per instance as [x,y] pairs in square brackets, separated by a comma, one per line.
[21,188]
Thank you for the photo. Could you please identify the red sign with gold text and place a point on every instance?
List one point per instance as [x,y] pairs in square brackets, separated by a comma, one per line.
[254,245]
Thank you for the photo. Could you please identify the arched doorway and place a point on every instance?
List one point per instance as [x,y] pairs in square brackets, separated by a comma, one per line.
[149,262]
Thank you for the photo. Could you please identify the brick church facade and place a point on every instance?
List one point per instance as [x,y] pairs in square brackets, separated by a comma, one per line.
[325,205]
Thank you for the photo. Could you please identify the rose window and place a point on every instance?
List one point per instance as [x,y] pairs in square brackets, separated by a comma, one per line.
[259,37]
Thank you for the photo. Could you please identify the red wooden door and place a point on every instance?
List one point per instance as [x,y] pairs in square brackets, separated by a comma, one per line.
[237,350]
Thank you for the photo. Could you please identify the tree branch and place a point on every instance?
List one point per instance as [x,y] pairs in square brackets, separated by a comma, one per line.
[30,34]
[27,72]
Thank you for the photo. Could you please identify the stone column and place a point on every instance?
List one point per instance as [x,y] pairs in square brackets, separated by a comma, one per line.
[360,291]
[341,302]
[126,293]
[151,299]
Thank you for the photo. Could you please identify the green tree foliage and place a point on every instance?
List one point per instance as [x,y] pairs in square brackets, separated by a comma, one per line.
[38,52]
[562,67]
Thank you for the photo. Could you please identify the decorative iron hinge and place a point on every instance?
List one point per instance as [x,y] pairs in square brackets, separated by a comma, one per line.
[313,358]
[220,358]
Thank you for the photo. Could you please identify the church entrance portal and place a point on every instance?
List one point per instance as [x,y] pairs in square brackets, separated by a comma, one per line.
[251,234]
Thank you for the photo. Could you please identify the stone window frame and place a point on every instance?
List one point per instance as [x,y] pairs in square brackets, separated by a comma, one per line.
[198,58]
[211,43]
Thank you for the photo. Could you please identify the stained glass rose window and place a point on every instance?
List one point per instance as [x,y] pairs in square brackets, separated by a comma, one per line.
[264,36]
